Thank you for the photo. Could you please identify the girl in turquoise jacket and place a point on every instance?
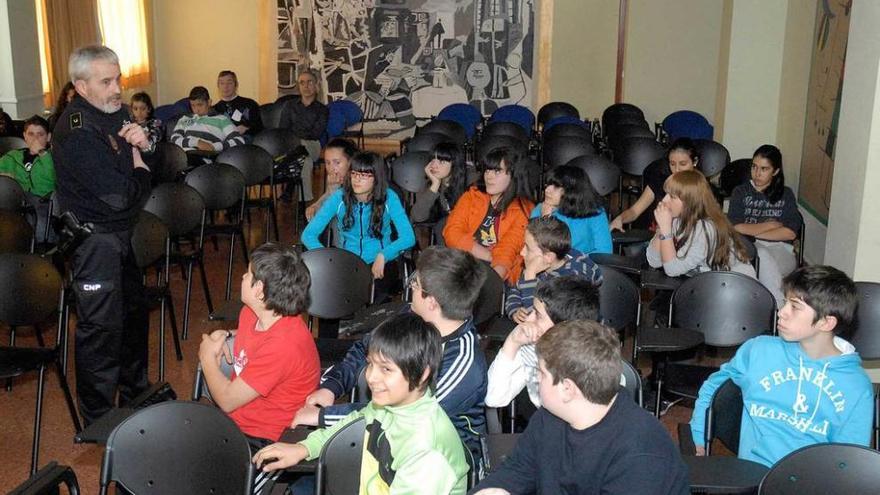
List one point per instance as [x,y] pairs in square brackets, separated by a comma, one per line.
[365,209]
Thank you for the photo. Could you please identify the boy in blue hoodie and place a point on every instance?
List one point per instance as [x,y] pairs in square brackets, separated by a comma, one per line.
[805,386]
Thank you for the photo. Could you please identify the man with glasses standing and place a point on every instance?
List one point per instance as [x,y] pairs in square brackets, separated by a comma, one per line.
[307,118]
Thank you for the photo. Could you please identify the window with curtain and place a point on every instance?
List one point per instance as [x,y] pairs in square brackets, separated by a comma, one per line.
[43,38]
[123,28]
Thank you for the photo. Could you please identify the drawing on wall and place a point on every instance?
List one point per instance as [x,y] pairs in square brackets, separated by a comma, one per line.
[823,106]
[407,59]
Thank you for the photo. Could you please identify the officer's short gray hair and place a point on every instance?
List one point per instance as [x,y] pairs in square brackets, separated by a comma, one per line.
[79,67]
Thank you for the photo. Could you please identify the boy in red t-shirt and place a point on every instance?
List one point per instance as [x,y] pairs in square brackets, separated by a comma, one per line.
[275,361]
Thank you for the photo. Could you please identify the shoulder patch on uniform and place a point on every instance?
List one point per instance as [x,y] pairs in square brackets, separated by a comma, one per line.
[76,120]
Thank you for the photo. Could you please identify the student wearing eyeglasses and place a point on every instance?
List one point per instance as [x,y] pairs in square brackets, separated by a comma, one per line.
[365,208]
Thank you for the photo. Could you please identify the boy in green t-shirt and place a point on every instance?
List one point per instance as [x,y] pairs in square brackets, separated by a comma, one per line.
[411,445]
[32,167]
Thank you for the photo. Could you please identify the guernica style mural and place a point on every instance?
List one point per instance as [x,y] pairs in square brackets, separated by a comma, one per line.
[407,59]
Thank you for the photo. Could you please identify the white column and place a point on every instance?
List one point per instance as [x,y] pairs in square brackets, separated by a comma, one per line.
[21,87]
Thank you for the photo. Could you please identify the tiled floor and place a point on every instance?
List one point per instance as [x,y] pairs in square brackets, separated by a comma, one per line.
[17,406]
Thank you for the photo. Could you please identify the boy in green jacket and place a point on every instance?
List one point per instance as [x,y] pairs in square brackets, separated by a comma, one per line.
[32,167]
[411,445]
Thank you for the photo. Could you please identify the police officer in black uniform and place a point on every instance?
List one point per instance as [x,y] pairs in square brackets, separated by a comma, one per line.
[102,178]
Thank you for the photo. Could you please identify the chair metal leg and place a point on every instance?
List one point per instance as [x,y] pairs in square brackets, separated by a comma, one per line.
[205,288]
[162,341]
[38,421]
[11,344]
[174,333]
[186,297]
[228,293]
[68,398]
[39,334]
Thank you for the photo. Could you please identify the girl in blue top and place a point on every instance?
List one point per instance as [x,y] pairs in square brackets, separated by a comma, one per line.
[570,197]
[364,209]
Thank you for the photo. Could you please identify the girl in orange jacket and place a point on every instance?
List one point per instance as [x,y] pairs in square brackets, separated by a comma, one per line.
[489,220]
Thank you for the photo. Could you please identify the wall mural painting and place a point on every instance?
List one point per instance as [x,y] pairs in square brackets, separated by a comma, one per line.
[823,106]
[403,60]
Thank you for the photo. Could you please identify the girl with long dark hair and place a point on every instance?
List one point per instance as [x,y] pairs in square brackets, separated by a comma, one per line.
[570,197]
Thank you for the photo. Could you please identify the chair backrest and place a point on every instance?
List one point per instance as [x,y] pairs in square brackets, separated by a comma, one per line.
[556,109]
[466,115]
[276,142]
[339,466]
[426,141]
[489,143]
[270,115]
[253,162]
[563,149]
[454,132]
[178,447]
[170,162]
[558,128]
[33,287]
[15,233]
[866,327]
[408,171]
[714,157]
[566,119]
[724,417]
[491,299]
[631,382]
[619,112]
[342,114]
[727,307]
[637,153]
[686,123]
[221,185]
[736,173]
[517,114]
[341,282]
[619,301]
[179,206]
[508,129]
[361,391]
[603,173]
[824,468]
[149,239]
[12,197]
[617,135]
[9,143]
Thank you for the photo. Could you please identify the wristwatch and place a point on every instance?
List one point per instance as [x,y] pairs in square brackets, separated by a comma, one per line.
[663,236]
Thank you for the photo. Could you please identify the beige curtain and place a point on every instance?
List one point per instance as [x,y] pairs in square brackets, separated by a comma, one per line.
[70,24]
[267,82]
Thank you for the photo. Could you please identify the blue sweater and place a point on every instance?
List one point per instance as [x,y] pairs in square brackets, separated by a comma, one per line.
[588,234]
[358,238]
[460,384]
[791,400]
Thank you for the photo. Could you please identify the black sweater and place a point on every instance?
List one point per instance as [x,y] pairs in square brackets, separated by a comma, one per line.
[627,452]
[96,178]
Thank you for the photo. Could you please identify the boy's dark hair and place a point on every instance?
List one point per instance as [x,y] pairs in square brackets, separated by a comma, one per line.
[827,290]
[585,352]
[452,277]
[199,93]
[37,120]
[224,73]
[551,234]
[569,298]
[412,344]
[285,278]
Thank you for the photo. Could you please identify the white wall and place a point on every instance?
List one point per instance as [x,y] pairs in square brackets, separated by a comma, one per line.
[196,39]
[672,56]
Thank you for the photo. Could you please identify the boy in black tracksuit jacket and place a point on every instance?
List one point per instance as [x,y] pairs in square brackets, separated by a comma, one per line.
[456,278]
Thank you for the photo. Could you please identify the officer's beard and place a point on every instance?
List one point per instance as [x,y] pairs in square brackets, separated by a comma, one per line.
[112,105]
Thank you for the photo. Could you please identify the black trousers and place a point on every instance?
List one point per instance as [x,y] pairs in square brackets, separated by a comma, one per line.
[112,324]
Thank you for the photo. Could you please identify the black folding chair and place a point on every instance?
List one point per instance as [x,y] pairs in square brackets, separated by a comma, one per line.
[338,470]
[16,234]
[151,246]
[182,209]
[257,166]
[822,469]
[723,421]
[178,447]
[33,294]
[47,480]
